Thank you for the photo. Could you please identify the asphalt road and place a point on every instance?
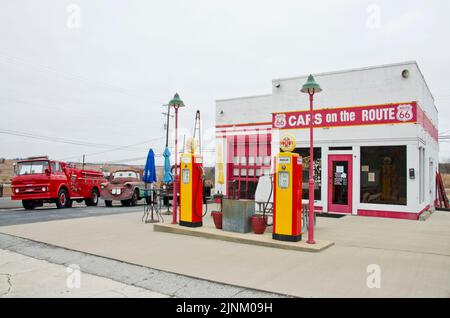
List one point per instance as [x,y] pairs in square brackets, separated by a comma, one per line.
[18,215]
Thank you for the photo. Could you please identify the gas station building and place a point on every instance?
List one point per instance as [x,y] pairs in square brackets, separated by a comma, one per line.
[376,148]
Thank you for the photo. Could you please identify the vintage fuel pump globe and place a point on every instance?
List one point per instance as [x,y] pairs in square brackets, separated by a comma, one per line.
[287,143]
[287,210]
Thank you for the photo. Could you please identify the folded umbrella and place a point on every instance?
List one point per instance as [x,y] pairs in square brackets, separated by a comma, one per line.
[150,168]
[167,178]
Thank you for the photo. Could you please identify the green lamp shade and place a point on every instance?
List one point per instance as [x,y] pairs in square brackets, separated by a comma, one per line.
[176,101]
[311,86]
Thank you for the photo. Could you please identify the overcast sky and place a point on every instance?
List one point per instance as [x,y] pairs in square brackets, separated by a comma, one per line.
[96,73]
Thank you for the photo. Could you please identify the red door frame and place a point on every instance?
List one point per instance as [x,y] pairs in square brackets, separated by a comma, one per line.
[335,207]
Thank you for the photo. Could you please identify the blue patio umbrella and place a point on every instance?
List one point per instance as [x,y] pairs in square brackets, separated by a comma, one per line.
[150,169]
[168,178]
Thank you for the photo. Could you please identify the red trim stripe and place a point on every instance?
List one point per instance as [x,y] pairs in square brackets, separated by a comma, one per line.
[247,124]
[427,124]
[392,214]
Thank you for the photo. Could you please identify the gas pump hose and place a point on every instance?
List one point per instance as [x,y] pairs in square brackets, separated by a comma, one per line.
[196,193]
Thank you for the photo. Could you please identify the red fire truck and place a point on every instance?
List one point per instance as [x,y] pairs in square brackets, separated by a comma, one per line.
[39,180]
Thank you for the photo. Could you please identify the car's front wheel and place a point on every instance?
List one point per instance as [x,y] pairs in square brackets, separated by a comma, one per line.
[134,199]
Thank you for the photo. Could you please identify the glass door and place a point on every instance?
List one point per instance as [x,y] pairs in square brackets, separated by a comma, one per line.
[340,183]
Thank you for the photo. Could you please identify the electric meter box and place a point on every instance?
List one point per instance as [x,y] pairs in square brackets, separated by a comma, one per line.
[287,209]
[191,190]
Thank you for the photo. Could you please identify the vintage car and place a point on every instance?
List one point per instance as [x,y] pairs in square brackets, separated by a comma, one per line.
[123,186]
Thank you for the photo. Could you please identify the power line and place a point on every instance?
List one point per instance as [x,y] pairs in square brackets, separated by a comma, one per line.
[72,141]
[52,139]
[53,109]
[117,148]
[157,155]
[70,76]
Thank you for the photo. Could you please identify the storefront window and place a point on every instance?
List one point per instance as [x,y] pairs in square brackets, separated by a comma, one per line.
[304,152]
[383,175]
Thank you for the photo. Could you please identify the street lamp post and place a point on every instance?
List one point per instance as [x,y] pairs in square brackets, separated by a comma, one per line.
[176,103]
[310,88]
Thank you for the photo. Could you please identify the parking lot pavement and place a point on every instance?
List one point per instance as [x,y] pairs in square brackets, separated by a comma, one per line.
[29,268]
[50,213]
[23,276]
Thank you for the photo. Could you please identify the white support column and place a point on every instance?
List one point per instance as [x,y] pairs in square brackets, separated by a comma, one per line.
[324,192]
[356,195]
[274,147]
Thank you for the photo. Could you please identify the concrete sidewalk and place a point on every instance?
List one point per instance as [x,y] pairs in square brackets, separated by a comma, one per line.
[161,283]
[7,203]
[23,276]
[210,232]
[414,257]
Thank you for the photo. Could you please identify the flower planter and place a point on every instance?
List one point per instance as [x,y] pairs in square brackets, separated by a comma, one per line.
[217,217]
[259,224]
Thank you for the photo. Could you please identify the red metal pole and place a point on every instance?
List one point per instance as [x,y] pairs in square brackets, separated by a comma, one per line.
[175,177]
[311,173]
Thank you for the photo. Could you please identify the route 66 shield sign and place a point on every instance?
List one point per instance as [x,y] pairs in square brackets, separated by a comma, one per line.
[280,121]
[404,113]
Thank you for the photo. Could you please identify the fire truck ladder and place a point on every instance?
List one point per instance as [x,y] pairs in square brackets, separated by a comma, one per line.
[441,196]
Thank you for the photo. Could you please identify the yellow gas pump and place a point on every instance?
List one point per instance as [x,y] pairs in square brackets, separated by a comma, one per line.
[287,210]
[191,190]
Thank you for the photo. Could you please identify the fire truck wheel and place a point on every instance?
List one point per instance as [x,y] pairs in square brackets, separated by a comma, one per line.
[28,204]
[93,200]
[61,201]
[108,203]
